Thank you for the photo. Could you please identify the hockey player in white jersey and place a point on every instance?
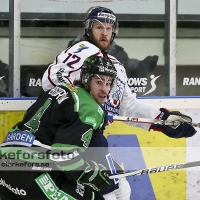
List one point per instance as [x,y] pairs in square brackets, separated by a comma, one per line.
[101,27]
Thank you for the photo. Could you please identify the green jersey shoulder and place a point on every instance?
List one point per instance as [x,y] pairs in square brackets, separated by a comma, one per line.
[89,111]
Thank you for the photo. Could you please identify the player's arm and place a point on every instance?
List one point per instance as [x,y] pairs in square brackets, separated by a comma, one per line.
[131,106]
[71,160]
[98,151]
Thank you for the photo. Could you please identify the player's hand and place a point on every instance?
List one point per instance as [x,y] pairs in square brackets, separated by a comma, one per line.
[184,129]
[95,175]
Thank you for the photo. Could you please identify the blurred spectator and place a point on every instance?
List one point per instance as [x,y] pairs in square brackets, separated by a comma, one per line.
[139,69]
[4,74]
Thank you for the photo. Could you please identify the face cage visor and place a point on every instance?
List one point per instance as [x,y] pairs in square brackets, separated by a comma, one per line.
[86,79]
[89,22]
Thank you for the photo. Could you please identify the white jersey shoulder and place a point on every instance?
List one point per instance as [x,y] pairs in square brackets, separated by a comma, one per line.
[66,65]
[121,72]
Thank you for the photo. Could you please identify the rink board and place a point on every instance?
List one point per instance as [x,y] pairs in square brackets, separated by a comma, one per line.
[152,149]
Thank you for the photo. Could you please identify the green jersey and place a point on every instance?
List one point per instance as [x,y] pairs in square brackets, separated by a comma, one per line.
[65,118]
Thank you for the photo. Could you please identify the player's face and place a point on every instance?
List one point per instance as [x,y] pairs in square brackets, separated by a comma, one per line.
[101,35]
[100,87]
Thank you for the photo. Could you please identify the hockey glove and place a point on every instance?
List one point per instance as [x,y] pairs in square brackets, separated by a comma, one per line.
[184,129]
[95,175]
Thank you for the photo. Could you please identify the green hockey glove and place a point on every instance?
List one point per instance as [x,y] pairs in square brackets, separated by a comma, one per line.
[95,175]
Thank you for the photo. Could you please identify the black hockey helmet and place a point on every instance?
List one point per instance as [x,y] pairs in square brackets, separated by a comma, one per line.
[96,65]
[101,14]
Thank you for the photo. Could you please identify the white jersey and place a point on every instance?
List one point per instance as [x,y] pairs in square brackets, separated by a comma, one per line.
[120,101]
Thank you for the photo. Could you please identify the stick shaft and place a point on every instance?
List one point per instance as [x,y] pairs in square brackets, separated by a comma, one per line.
[156,169]
[149,121]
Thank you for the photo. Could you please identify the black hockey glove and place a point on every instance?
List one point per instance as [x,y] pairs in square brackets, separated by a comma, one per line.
[183,130]
[95,175]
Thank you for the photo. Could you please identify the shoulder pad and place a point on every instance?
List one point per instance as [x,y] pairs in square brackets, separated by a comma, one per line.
[114,60]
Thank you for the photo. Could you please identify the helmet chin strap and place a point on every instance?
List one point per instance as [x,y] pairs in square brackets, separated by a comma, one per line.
[87,86]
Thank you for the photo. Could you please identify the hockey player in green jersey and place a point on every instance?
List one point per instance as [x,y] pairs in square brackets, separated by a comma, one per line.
[64,119]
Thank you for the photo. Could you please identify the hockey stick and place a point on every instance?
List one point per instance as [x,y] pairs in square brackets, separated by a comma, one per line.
[148,121]
[156,169]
